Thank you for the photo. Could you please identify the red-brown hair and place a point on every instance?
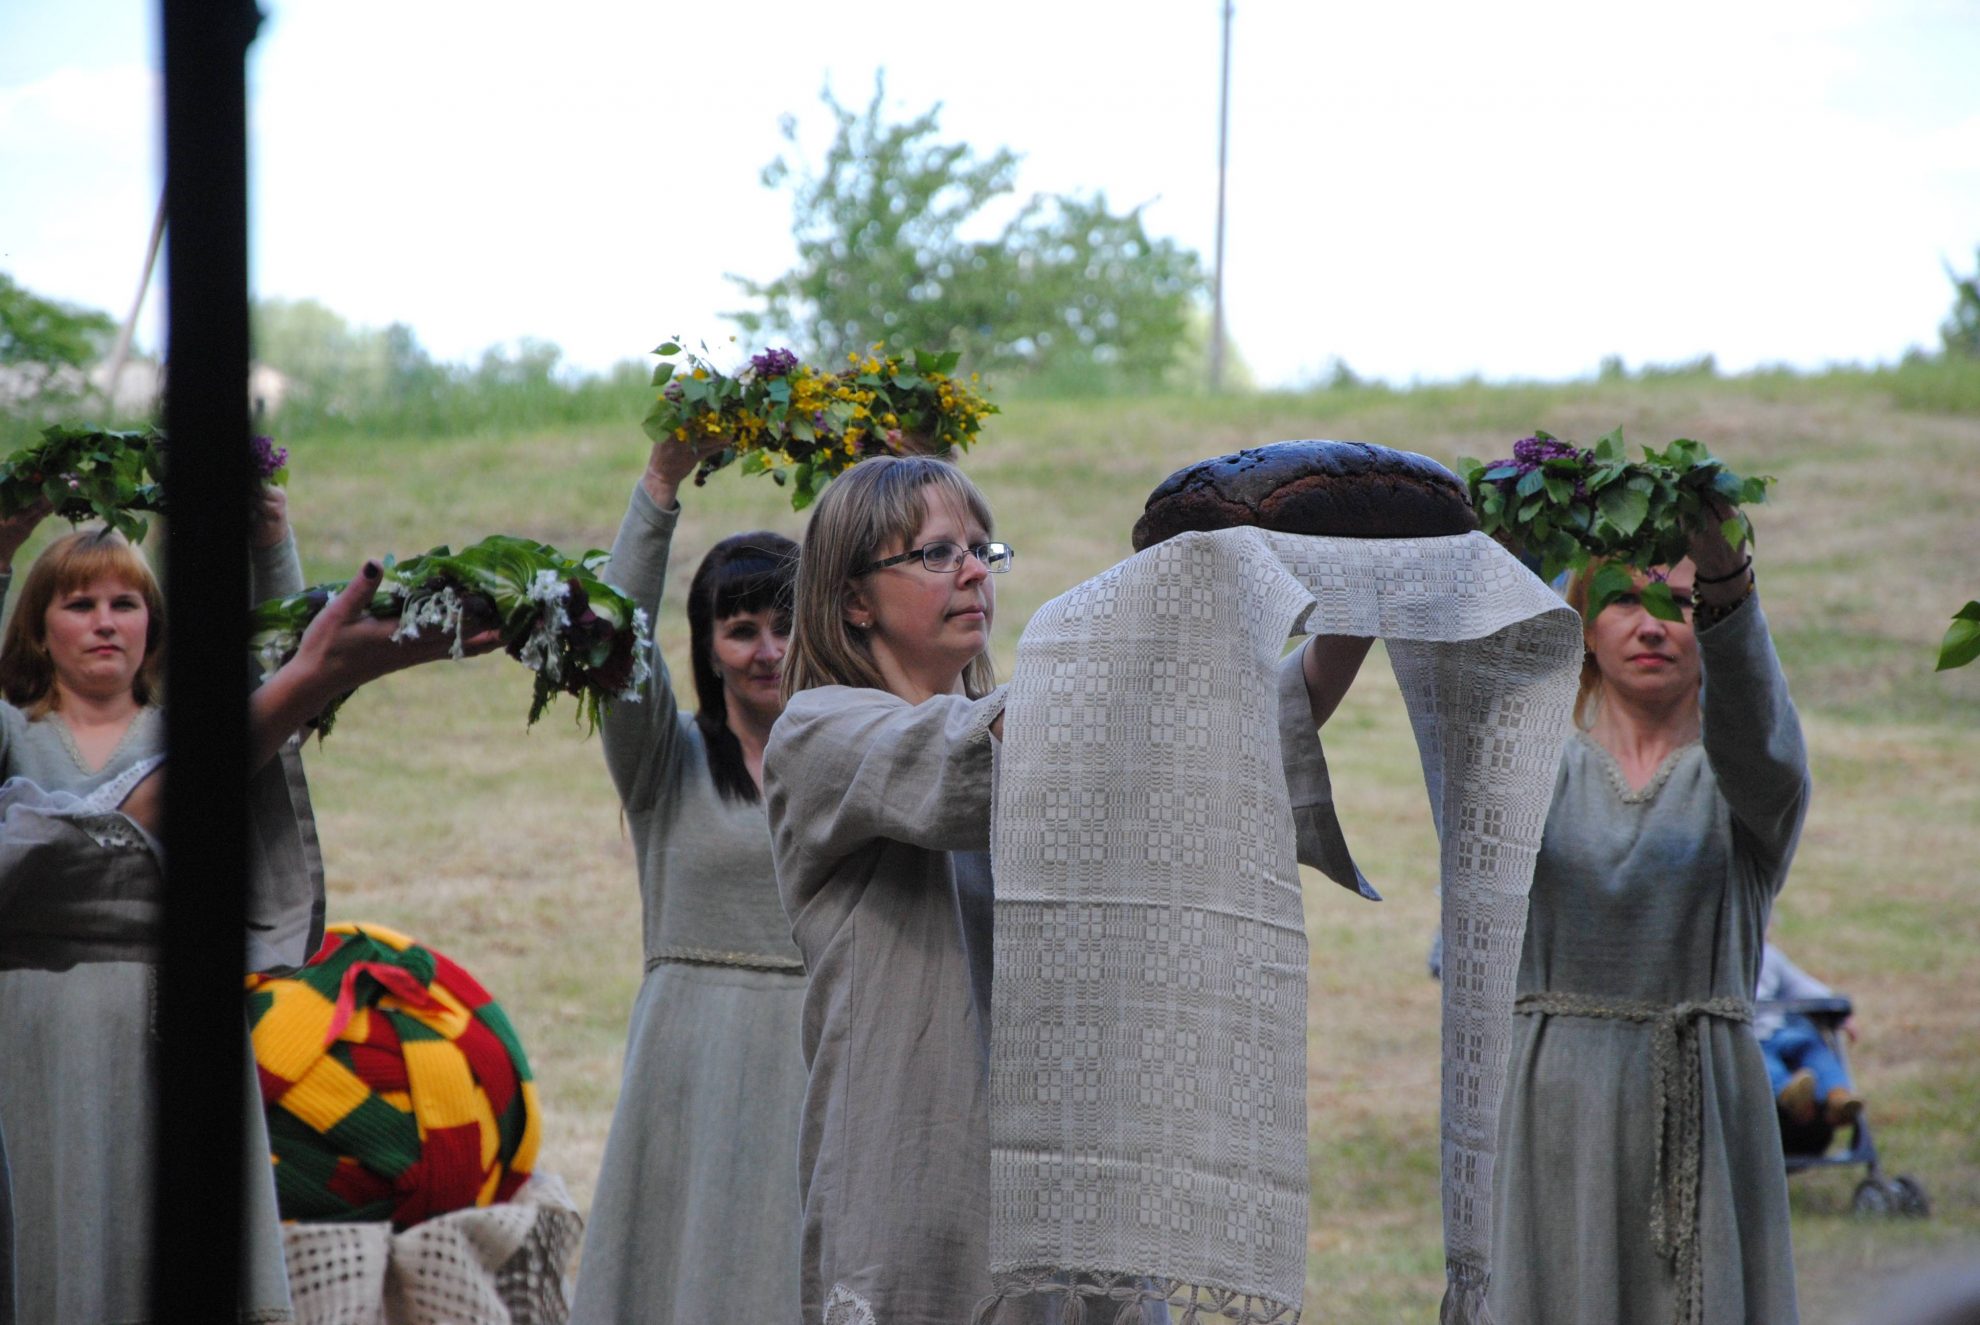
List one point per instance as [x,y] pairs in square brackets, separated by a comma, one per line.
[71,562]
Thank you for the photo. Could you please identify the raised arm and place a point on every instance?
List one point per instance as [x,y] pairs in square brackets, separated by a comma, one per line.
[642,741]
[15,530]
[1312,681]
[274,567]
[344,647]
[1752,734]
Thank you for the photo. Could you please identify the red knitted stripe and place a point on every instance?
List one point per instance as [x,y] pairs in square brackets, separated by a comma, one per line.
[489,1062]
[355,1185]
[381,1033]
[511,1180]
[447,1177]
[458,982]
[379,1068]
[272,1086]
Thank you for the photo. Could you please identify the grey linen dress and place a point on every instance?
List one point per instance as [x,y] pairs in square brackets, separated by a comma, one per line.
[1643,943]
[695,1218]
[880,812]
[78,975]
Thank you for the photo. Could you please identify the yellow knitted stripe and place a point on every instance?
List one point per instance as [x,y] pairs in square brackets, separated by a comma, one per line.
[449,1019]
[443,1089]
[524,1160]
[325,1096]
[358,1029]
[391,938]
[289,1037]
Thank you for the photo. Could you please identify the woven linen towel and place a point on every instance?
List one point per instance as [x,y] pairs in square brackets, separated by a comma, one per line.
[1148,1055]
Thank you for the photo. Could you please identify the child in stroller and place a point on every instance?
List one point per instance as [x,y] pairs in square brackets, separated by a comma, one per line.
[1809,1079]
[1802,1024]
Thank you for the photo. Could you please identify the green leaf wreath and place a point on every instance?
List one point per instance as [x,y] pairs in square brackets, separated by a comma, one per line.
[578,634]
[1567,506]
[88,473]
[802,425]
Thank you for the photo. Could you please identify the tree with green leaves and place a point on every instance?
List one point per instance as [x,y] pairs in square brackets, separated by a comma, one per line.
[1960,333]
[46,347]
[1069,290]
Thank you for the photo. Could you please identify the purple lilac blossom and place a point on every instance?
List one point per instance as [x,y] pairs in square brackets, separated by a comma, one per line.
[268,457]
[773,363]
[1529,453]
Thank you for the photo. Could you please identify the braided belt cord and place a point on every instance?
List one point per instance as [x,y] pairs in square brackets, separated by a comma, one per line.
[748,961]
[1679,1104]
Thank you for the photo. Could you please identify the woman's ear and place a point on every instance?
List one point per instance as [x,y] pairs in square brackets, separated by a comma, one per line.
[855,612]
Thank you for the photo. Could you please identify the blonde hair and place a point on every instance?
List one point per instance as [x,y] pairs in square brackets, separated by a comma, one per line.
[879,501]
[75,561]
[1588,696]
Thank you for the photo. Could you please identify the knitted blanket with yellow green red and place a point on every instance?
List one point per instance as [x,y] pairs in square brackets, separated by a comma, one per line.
[395,1086]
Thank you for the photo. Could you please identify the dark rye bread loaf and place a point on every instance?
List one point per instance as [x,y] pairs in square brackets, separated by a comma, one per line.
[1347,489]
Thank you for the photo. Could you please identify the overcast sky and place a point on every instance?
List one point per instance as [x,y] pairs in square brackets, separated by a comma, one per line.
[1426,191]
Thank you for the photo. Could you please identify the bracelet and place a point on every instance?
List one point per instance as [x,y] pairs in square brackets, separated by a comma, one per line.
[1739,570]
[1706,615]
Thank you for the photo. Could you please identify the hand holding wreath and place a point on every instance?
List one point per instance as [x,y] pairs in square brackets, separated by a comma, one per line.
[1567,506]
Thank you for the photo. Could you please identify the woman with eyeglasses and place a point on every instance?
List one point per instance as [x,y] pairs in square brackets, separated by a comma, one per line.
[879,784]
[695,1215]
[1639,1167]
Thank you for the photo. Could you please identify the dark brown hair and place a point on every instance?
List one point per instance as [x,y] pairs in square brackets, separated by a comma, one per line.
[742,573]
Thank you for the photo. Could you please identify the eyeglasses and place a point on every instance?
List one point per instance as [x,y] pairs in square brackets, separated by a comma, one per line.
[944,557]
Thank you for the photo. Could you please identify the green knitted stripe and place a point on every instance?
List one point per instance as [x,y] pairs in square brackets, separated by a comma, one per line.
[498,1021]
[386,1138]
[259,1001]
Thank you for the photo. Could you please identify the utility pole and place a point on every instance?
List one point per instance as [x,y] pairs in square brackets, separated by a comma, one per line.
[1223,161]
[122,350]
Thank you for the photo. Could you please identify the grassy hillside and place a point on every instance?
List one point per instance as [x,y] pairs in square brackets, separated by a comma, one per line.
[444,817]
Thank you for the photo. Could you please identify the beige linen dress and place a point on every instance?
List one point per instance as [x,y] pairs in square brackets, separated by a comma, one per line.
[80,894]
[695,1219]
[880,816]
[1640,1178]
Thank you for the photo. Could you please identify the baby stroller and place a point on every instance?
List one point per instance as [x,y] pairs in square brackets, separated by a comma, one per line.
[1808,1145]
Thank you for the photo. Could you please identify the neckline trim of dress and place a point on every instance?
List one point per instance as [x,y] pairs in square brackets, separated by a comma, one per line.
[68,736]
[1620,784]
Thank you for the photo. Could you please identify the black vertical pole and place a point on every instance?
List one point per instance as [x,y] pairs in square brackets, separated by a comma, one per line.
[1223,156]
[197,1239]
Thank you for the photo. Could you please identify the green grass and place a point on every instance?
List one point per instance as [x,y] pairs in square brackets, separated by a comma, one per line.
[503,847]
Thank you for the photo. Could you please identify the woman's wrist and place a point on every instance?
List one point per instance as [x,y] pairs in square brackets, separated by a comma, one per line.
[1724,586]
[665,492]
[1715,602]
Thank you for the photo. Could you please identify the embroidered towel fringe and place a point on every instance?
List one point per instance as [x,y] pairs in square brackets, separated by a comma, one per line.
[1464,1296]
[1127,1299]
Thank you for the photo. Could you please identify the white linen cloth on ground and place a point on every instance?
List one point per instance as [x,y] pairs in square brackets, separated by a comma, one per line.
[502,1264]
